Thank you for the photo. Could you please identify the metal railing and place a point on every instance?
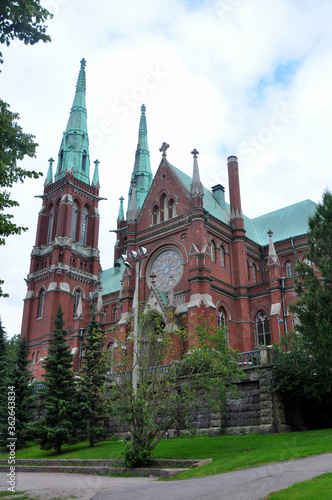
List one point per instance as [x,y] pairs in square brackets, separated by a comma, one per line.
[249,358]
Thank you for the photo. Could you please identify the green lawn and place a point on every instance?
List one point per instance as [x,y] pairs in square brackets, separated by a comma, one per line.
[319,488]
[229,453]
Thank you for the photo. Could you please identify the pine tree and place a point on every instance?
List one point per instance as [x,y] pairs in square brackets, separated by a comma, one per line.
[23,395]
[4,381]
[57,427]
[92,384]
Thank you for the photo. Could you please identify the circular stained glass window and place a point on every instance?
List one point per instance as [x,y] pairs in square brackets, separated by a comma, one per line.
[166,266]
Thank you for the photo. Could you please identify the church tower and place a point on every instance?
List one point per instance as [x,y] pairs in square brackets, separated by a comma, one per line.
[65,266]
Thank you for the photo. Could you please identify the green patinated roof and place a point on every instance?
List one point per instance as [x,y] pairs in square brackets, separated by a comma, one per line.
[111,279]
[285,223]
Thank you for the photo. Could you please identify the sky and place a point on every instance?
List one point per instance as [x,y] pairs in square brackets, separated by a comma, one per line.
[250,78]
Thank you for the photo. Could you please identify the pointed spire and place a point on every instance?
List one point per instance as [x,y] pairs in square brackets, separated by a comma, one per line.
[132,212]
[273,259]
[121,211]
[49,176]
[74,148]
[142,167]
[95,180]
[196,187]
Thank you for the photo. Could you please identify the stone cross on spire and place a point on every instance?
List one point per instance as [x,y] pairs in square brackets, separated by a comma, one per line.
[163,149]
[96,162]
[83,63]
[143,109]
[195,153]
[196,187]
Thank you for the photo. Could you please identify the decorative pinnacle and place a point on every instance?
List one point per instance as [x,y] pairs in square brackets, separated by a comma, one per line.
[195,153]
[164,148]
[51,161]
[143,109]
[270,233]
[153,278]
[83,63]
[96,162]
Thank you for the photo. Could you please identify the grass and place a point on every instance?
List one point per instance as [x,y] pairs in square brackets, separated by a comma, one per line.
[229,453]
[319,488]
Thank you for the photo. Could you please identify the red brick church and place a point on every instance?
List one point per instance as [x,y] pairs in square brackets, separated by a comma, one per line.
[194,252]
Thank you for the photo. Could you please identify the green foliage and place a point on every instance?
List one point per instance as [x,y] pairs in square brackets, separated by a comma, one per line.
[23,395]
[92,384]
[23,20]
[168,390]
[305,371]
[137,457]
[59,424]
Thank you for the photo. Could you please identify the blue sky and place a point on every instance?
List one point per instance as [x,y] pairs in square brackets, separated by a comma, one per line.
[246,77]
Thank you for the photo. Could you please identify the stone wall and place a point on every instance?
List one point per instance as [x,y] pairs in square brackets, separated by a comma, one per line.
[257,410]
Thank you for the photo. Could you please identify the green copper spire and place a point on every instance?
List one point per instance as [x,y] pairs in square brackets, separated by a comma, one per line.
[95,180]
[49,176]
[142,169]
[121,211]
[74,149]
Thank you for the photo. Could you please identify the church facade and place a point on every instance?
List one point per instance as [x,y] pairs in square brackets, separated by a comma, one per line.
[180,247]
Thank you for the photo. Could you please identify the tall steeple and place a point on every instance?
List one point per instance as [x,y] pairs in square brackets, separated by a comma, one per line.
[142,169]
[196,187]
[74,148]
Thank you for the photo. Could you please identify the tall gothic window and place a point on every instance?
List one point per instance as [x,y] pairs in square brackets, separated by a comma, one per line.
[73,222]
[289,269]
[50,226]
[222,257]
[213,251]
[263,328]
[41,303]
[162,207]
[155,215]
[171,209]
[254,273]
[84,226]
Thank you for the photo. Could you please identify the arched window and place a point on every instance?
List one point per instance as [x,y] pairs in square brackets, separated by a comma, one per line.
[37,357]
[73,222]
[84,226]
[171,209]
[162,207]
[50,226]
[33,357]
[254,274]
[155,215]
[41,303]
[78,294]
[213,251]
[222,257]
[263,328]
[289,269]
[221,317]
[84,161]
[248,270]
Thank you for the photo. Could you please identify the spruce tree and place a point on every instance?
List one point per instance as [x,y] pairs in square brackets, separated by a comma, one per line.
[92,384]
[57,426]
[23,394]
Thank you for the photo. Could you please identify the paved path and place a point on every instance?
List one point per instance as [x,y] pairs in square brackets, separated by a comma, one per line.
[248,484]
